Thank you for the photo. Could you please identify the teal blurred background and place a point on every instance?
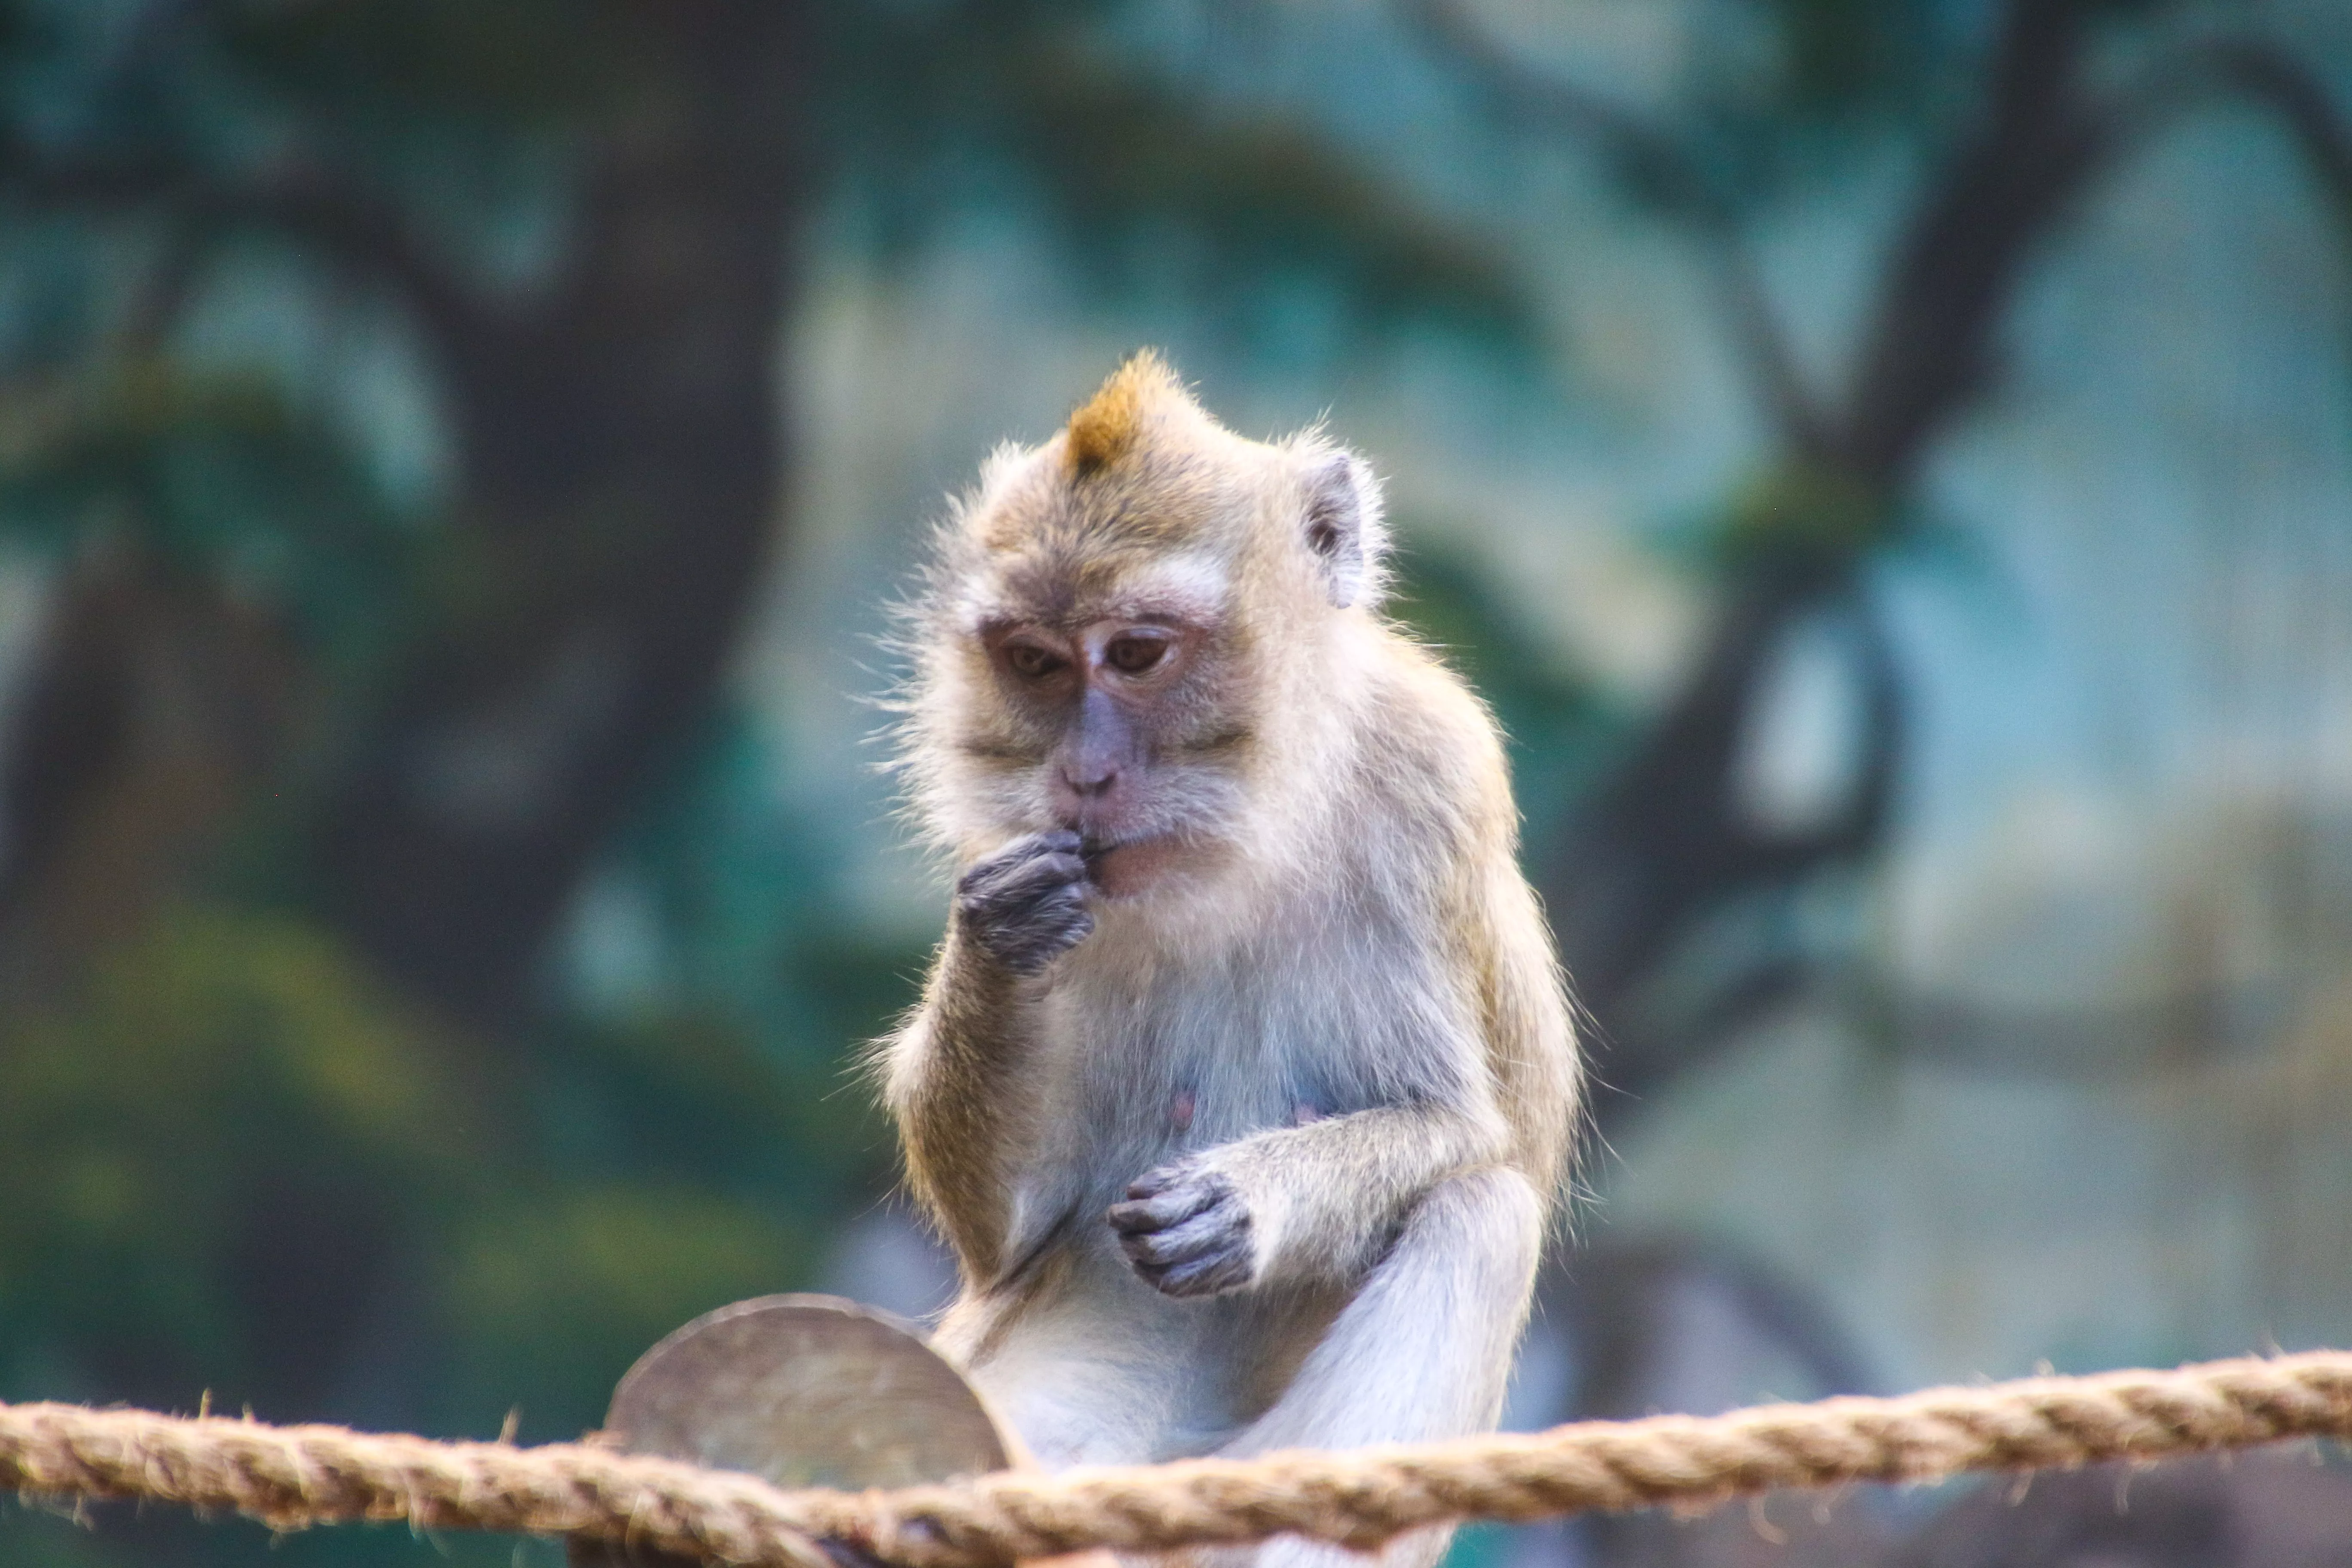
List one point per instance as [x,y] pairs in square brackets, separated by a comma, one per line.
[1887,462]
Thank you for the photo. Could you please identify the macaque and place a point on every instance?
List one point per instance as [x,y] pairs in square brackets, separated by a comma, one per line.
[1243,1081]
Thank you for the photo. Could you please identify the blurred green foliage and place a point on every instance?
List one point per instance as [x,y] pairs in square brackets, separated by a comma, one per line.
[130,1123]
[215,476]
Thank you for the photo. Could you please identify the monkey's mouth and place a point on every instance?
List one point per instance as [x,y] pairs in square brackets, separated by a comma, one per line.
[1124,868]
[1096,852]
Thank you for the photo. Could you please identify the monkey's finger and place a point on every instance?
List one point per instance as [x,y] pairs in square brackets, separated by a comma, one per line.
[1050,870]
[989,865]
[991,885]
[1164,1178]
[1156,1181]
[1067,900]
[1030,950]
[1045,928]
[1165,1198]
[1161,1213]
[1168,1243]
[1225,1271]
[1017,903]
[1220,1229]
[1020,852]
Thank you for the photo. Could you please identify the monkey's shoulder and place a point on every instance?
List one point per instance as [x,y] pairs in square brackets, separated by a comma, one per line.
[1429,747]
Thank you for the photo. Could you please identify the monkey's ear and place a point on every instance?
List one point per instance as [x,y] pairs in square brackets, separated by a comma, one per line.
[1342,524]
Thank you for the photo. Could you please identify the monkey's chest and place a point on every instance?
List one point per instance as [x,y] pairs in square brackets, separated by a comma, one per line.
[1134,1081]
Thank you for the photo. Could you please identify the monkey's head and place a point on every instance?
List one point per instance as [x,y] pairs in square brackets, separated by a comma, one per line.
[1118,623]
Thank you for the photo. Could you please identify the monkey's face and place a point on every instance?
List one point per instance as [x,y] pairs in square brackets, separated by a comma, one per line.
[1112,715]
[1129,634]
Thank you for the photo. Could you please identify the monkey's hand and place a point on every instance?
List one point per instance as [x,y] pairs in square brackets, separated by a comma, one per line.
[1187,1230]
[1024,905]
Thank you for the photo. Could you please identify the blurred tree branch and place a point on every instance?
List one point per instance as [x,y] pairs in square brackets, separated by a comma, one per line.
[1666,846]
[342,224]
[1652,160]
[2263,75]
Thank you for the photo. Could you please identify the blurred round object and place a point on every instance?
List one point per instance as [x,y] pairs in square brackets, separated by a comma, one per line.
[800,1391]
[806,1391]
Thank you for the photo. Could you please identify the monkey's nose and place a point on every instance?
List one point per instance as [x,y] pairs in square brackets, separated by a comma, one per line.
[1090,782]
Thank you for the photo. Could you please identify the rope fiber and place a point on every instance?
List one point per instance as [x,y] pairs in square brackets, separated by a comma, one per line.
[293,1476]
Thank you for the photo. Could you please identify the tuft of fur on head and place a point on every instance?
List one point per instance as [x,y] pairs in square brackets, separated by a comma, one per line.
[1106,426]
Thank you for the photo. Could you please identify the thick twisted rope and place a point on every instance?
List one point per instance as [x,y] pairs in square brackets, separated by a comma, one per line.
[290,1477]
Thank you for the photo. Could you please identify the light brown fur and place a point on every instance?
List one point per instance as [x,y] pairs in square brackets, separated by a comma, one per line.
[1105,428]
[1329,995]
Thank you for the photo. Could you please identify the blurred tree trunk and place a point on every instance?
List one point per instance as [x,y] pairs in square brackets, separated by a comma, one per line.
[622,451]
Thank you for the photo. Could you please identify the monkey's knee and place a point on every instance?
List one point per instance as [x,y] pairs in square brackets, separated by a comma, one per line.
[1424,1349]
[1464,1273]
[1415,1549]
[1484,1228]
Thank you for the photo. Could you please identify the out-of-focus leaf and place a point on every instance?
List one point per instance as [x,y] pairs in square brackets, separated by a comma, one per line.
[1123,159]
[217,476]
[560,1290]
[1147,182]
[508,61]
[1839,55]
[141,1129]
[1804,509]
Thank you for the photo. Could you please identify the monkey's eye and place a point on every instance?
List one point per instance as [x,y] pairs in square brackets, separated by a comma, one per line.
[1134,655]
[1031,662]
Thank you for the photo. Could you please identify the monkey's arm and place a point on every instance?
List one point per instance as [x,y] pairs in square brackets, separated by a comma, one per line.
[948,1074]
[1320,1201]
[944,1085]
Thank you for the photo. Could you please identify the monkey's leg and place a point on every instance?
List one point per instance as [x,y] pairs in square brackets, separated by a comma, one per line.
[1423,1352]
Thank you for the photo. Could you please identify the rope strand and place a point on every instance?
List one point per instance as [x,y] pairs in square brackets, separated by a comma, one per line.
[293,1476]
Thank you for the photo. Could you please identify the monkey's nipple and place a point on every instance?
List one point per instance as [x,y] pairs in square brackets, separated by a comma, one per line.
[1179,1111]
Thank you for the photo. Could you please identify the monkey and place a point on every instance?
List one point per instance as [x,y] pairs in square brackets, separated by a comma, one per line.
[1241,1084]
